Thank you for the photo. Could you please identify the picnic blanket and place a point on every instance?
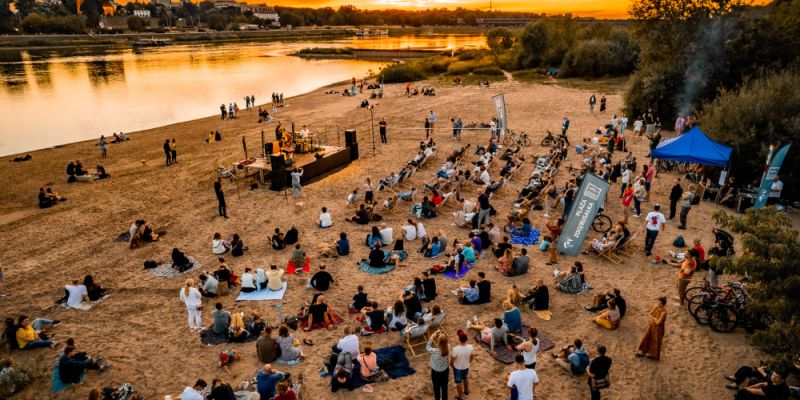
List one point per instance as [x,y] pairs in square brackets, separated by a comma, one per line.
[533,238]
[507,356]
[123,237]
[210,338]
[263,294]
[166,271]
[364,265]
[292,269]
[391,359]
[335,320]
[464,269]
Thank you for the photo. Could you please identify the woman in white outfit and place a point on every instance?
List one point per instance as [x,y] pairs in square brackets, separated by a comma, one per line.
[193,300]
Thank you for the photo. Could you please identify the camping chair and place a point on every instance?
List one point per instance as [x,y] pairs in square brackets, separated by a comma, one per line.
[417,338]
[446,197]
[610,254]
[627,248]
[392,204]
[437,322]
[226,173]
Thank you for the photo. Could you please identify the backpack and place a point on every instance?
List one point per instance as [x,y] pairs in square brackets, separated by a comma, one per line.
[583,362]
[679,242]
[150,264]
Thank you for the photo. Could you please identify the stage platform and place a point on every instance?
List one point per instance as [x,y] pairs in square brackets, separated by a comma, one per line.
[334,157]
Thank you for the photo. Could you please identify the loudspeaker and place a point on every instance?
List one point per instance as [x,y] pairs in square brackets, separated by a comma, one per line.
[350,137]
[278,179]
[353,151]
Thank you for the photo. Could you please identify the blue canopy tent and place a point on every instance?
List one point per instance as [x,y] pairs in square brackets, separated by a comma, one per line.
[693,147]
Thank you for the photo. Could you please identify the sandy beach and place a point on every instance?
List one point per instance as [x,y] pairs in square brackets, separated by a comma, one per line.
[142,328]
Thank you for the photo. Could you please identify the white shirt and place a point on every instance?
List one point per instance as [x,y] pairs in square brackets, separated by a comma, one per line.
[194,297]
[626,176]
[637,125]
[191,394]
[461,353]
[249,280]
[775,189]
[304,133]
[410,232]
[524,380]
[325,220]
[368,187]
[386,235]
[485,177]
[421,230]
[76,293]
[349,344]
[218,246]
[655,220]
[530,356]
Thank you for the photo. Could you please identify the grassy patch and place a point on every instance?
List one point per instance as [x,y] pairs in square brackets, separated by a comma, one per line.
[325,51]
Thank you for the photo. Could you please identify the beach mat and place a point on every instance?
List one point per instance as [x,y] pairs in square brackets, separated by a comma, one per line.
[263,294]
[464,270]
[166,271]
[123,237]
[391,359]
[210,338]
[507,356]
[335,320]
[544,314]
[526,241]
[364,265]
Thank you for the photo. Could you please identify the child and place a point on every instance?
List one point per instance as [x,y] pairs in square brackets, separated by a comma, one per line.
[226,358]
[546,242]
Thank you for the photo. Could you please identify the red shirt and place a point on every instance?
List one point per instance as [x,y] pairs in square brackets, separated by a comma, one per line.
[289,395]
[701,253]
[627,197]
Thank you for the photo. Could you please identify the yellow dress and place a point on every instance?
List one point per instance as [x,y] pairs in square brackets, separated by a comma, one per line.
[654,333]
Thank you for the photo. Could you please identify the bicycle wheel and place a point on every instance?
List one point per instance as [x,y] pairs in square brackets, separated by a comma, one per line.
[694,303]
[723,319]
[601,223]
[701,313]
[547,141]
[525,141]
[508,139]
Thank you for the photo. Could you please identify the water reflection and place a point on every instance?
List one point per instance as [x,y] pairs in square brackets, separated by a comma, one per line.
[165,85]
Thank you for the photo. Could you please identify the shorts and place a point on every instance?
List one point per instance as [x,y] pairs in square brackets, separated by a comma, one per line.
[647,186]
[460,375]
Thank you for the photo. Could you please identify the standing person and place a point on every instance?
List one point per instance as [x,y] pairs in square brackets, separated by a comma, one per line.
[484,211]
[650,345]
[432,119]
[369,191]
[457,126]
[625,176]
[686,205]
[173,151]
[193,300]
[598,372]
[427,128]
[603,103]
[167,152]
[638,124]
[684,274]
[555,232]
[627,198]
[564,126]
[220,192]
[648,177]
[103,146]
[592,102]
[674,195]
[297,190]
[654,141]
[775,190]
[639,195]
[382,129]
[679,123]
[523,379]
[460,360]
[222,112]
[654,222]
[439,363]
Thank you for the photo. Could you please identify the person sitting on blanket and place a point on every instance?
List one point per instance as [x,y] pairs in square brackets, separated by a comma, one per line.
[521,263]
[77,296]
[373,319]
[396,315]
[572,282]
[221,320]
[292,235]
[417,288]
[409,231]
[278,242]
[93,290]
[600,302]
[455,264]
[512,318]
[348,344]
[225,274]
[610,317]
[360,299]
[505,263]
[374,238]
[237,246]
[319,313]
[529,348]
[238,333]
[71,369]
[257,326]
[298,258]
[343,245]
[413,306]
[469,253]
[494,336]
[266,348]
[274,278]
[325,218]
[377,257]
[209,285]
[484,289]
[290,347]
[428,287]
[386,234]
[525,229]
[218,245]
[267,379]
[361,216]
[538,297]
[573,358]
[468,294]
[30,335]
[321,280]
[249,281]
[370,370]
[342,373]
[261,279]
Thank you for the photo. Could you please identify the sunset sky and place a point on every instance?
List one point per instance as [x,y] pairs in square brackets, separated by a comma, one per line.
[589,8]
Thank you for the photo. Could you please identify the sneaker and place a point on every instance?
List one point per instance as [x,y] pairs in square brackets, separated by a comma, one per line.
[637,215]
[732,386]
[56,322]
[730,378]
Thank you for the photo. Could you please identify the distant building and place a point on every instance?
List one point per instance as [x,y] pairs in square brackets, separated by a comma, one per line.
[165,3]
[490,22]
[227,3]
[265,13]
[142,13]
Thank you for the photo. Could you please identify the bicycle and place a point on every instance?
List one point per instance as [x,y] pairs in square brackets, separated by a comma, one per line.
[601,222]
[511,138]
[549,140]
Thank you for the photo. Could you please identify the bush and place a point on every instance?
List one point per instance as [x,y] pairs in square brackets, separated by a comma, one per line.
[37,23]
[401,73]
[597,58]
[465,67]
[490,70]
[654,87]
[136,24]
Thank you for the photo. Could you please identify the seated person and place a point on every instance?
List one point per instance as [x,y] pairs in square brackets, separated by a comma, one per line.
[94,291]
[237,246]
[512,318]
[377,257]
[29,334]
[44,201]
[373,319]
[416,329]
[298,257]
[521,263]
[180,261]
[261,279]
[538,297]
[505,263]
[600,302]
[361,217]
[374,238]
[749,374]
[572,282]
[292,236]
[321,280]
[407,196]
[386,234]
[396,315]
[500,249]
[412,304]
[290,347]
[353,198]
[435,316]
[610,317]
[497,335]
[275,278]
[484,289]
[343,245]
[224,274]
[221,320]
[100,172]
[266,381]
[72,367]
[370,370]
[238,333]
[318,313]
[278,242]
[774,388]
[77,296]
[360,299]
[468,294]
[573,358]
[428,287]
[209,285]
[342,373]
[325,218]
[432,248]
[218,245]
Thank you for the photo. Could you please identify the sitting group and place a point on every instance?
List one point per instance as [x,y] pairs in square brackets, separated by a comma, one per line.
[48,198]
[235,245]
[140,232]
[475,292]
[280,240]
[81,296]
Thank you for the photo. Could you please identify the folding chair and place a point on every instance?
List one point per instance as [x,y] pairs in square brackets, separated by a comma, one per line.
[412,339]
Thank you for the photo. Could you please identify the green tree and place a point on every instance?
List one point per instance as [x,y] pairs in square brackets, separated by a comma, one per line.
[25,7]
[217,21]
[499,41]
[136,24]
[770,257]
[6,16]
[533,42]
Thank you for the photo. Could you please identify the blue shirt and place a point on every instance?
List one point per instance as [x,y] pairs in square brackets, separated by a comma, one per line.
[469,254]
[477,245]
[435,249]
[471,294]
[266,384]
[343,247]
[513,320]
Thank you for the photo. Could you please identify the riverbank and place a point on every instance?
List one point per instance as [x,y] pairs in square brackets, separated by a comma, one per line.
[361,54]
[142,329]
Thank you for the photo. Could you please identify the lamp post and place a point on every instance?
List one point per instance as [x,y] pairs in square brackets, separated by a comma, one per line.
[372,126]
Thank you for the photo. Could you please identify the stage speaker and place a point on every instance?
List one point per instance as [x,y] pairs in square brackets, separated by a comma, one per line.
[278,179]
[353,151]
[350,137]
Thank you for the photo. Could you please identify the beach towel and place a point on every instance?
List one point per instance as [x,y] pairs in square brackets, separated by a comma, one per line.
[464,269]
[263,294]
[544,314]
[391,359]
[335,320]
[166,271]
[293,269]
[83,306]
[526,241]
[123,237]
[507,356]
[364,265]
[56,384]
[210,338]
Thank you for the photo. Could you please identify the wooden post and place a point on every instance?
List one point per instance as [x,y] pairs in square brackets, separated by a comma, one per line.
[263,149]
[244,146]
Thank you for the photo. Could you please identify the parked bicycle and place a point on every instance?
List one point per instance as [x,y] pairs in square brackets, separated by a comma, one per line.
[551,139]
[601,222]
[511,138]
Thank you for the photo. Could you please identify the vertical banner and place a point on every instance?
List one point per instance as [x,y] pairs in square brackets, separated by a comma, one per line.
[500,106]
[588,200]
[771,173]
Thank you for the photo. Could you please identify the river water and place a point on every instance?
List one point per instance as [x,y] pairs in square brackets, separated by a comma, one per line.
[52,97]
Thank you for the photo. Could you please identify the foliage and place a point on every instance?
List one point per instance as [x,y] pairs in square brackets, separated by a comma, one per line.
[597,58]
[657,10]
[217,21]
[25,7]
[761,112]
[499,41]
[6,16]
[401,73]
[136,24]
[326,50]
[533,43]
[37,23]
[771,260]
